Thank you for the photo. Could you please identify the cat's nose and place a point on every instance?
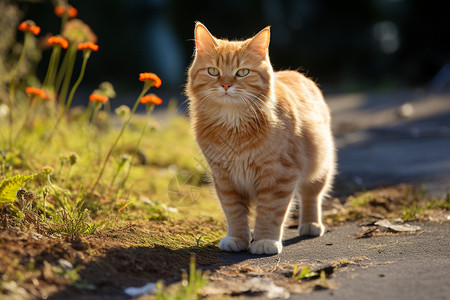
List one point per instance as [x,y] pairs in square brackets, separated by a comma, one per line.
[226,86]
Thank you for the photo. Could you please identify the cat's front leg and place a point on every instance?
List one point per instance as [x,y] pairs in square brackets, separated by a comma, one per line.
[236,211]
[271,211]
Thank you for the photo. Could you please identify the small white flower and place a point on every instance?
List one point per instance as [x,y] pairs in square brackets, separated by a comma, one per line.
[4,110]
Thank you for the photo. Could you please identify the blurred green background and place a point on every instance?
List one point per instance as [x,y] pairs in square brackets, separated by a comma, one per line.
[346,46]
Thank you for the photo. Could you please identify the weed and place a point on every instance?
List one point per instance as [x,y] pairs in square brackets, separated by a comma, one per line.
[443,203]
[411,213]
[190,285]
[10,186]
[304,274]
[361,200]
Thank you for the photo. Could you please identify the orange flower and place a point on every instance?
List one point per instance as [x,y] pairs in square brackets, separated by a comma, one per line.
[38,92]
[35,29]
[151,99]
[57,40]
[88,46]
[99,98]
[61,10]
[24,26]
[150,78]
[29,26]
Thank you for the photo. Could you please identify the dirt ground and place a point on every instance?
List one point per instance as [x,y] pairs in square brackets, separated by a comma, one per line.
[96,266]
[101,265]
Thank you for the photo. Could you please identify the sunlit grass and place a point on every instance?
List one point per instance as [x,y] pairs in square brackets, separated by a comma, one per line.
[166,151]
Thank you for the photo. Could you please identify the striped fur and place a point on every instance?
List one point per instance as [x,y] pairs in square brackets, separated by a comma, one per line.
[266,137]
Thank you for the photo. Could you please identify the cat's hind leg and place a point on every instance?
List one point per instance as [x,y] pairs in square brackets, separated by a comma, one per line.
[311,195]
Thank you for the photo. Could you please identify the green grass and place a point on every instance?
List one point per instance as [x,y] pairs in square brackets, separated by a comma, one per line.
[304,274]
[62,202]
[63,149]
[443,203]
[411,212]
[361,199]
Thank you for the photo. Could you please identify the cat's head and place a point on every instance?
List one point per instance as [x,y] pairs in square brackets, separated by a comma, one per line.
[230,73]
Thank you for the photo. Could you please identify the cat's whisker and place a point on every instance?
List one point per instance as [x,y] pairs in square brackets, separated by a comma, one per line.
[252,109]
[257,95]
[205,100]
[255,117]
[253,113]
[256,100]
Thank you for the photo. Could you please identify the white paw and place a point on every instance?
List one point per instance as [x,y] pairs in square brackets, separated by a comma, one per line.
[311,229]
[266,246]
[233,244]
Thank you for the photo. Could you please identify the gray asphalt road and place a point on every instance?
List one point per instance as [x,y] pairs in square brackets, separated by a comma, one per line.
[412,266]
[383,139]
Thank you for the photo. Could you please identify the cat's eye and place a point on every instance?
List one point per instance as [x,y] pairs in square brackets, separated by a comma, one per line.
[213,71]
[242,72]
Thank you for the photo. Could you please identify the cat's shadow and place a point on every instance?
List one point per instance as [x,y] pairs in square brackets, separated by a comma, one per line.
[296,239]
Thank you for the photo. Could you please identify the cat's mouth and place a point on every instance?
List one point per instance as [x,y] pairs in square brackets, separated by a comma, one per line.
[228,97]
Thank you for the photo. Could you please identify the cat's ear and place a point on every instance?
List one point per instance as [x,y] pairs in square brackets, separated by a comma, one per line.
[259,44]
[204,41]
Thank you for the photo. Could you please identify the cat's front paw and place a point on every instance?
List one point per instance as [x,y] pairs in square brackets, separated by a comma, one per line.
[266,246]
[233,244]
[311,229]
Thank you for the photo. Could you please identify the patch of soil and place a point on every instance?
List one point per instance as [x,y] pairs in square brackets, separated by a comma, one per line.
[402,201]
[99,265]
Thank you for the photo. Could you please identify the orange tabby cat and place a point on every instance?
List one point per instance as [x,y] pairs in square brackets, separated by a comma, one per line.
[266,136]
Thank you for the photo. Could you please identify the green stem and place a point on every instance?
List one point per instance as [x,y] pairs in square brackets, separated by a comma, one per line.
[12,86]
[61,72]
[63,22]
[72,93]
[17,68]
[68,74]
[68,173]
[125,124]
[114,178]
[45,206]
[94,114]
[51,71]
[27,120]
[80,78]
[119,168]
[50,183]
[61,164]
[149,110]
